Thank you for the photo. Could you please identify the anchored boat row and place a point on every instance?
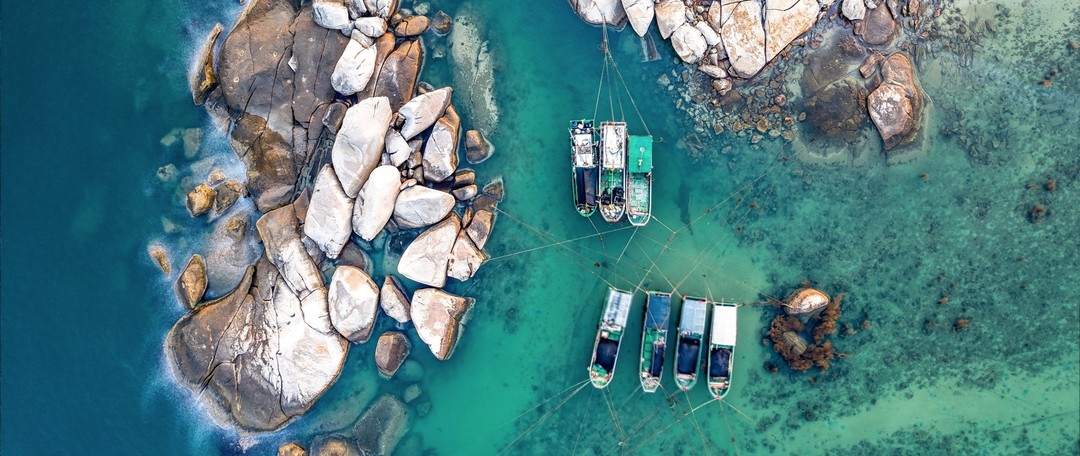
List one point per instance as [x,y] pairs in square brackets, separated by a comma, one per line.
[614,173]
[693,319]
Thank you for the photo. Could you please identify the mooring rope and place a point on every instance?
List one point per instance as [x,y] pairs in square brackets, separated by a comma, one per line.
[543,418]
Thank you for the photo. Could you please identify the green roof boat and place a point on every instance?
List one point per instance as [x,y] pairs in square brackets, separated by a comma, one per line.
[639,200]
[654,339]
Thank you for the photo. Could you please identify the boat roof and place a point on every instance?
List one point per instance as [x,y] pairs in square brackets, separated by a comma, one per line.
[640,154]
[693,315]
[617,309]
[724,322]
[658,311]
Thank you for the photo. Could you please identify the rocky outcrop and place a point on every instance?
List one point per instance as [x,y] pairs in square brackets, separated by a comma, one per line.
[598,12]
[354,68]
[382,426]
[354,303]
[422,112]
[896,105]
[226,195]
[393,300]
[640,14]
[390,353]
[291,449]
[411,26]
[359,145]
[785,20]
[200,199]
[331,14]
[440,150]
[251,355]
[477,148]
[670,15]
[329,214]
[744,37]
[878,28]
[439,317]
[479,229]
[280,233]
[399,72]
[201,78]
[426,258]
[465,258]
[689,43]
[160,257]
[418,206]
[191,285]
[375,202]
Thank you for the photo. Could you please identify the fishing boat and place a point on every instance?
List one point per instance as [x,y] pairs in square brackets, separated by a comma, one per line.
[639,199]
[691,335]
[612,170]
[583,159]
[654,339]
[609,336]
[722,348]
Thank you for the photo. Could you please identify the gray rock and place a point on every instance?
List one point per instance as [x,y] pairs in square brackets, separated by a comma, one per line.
[640,14]
[354,303]
[280,233]
[354,68]
[372,27]
[397,147]
[382,8]
[854,10]
[382,426]
[226,195]
[202,78]
[191,285]
[477,148]
[712,37]
[713,71]
[670,15]
[744,37]
[331,14]
[399,72]
[480,226]
[426,258]
[439,318]
[440,151]
[390,353]
[418,206]
[314,49]
[496,189]
[359,145]
[423,111]
[393,300]
[465,258]
[466,192]
[328,221]
[376,201]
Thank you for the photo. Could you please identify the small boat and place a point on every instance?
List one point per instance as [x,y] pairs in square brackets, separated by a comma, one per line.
[639,200]
[612,170]
[654,339]
[722,348]
[691,335]
[583,158]
[609,336]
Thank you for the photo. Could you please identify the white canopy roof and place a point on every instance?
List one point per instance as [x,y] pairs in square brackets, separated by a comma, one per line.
[724,323]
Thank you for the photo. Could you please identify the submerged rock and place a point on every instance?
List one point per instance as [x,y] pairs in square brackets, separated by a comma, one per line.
[376,201]
[393,300]
[202,78]
[191,285]
[329,214]
[878,28]
[477,147]
[354,303]
[359,145]
[423,111]
[418,206]
[426,258]
[200,200]
[438,317]
[391,351]
[382,426]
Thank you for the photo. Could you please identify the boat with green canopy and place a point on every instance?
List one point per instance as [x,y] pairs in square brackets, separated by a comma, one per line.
[609,336]
[722,348]
[692,322]
[654,339]
[639,198]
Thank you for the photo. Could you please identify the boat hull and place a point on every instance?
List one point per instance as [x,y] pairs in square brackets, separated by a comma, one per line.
[692,320]
[654,340]
[612,156]
[721,355]
[639,183]
[609,337]
[584,176]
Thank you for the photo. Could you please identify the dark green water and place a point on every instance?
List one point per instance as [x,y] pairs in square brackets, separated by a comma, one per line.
[88,93]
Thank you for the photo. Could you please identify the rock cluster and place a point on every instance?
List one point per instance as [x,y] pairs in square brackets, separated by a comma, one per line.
[342,143]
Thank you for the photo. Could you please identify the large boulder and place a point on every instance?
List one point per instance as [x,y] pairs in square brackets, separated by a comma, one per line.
[896,105]
[382,8]
[354,303]
[391,351]
[418,206]
[598,12]
[423,111]
[393,300]
[744,37]
[314,48]
[191,285]
[854,10]
[280,232]
[465,258]
[399,73]
[670,15]
[331,14]
[412,26]
[201,77]
[200,199]
[689,43]
[382,426]
[477,147]
[329,213]
[785,20]
[354,68]
[251,357]
[372,27]
[397,147]
[479,229]
[440,150]
[375,202]
[640,14]
[268,158]
[439,317]
[426,258]
[359,145]
[879,27]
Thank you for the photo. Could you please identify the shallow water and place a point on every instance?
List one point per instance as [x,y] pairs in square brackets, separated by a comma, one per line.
[84,311]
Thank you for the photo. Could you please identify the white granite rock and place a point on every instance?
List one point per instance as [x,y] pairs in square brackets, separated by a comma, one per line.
[640,13]
[465,258]
[423,111]
[785,20]
[331,14]
[439,317]
[354,68]
[393,300]
[689,44]
[359,144]
[329,214]
[744,37]
[670,15]
[354,303]
[426,258]
[418,206]
[371,27]
[375,202]
[440,150]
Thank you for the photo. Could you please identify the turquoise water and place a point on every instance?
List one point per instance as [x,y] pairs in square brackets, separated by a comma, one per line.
[84,311]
